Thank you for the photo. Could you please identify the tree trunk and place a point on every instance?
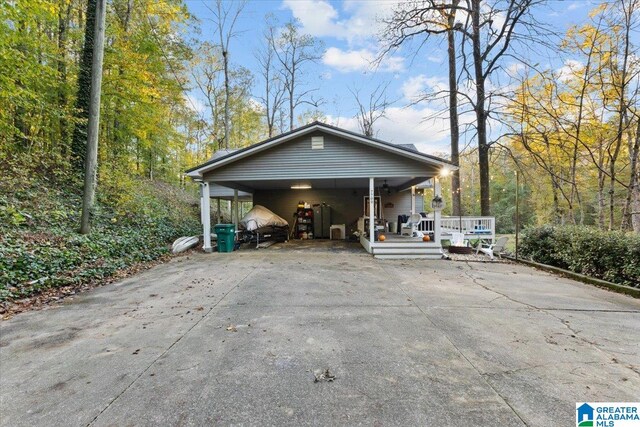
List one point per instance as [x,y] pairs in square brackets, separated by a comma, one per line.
[481,113]
[19,122]
[557,214]
[118,144]
[612,194]
[601,199]
[292,87]
[93,128]
[225,57]
[63,124]
[79,140]
[631,218]
[453,113]
[291,107]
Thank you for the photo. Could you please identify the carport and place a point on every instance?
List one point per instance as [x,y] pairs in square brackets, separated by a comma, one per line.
[323,162]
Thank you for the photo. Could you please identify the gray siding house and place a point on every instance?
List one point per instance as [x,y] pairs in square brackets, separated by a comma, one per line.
[319,163]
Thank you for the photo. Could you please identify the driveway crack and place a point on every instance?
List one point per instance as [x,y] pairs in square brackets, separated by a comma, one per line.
[548,311]
[475,368]
[170,347]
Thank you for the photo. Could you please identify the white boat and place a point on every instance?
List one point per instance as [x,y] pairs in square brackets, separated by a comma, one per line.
[183,243]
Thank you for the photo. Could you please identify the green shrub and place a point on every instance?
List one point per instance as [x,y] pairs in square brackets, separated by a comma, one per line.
[608,255]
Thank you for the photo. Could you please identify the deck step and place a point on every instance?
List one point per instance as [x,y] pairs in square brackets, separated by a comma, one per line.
[408,256]
[406,251]
[417,245]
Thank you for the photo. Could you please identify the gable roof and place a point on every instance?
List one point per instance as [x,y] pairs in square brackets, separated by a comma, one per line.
[406,150]
[409,147]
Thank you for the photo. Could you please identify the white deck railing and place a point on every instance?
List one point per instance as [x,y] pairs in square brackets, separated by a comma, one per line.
[473,227]
[427,225]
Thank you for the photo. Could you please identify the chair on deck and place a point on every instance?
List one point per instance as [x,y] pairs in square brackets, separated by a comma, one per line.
[411,227]
[457,239]
[494,248]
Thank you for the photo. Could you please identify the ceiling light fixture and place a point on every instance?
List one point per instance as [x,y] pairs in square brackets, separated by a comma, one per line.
[301,187]
[386,187]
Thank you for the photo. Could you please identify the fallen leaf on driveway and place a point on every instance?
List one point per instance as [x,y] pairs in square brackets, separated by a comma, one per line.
[323,376]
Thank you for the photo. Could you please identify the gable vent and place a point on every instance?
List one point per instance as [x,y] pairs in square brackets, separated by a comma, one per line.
[317,142]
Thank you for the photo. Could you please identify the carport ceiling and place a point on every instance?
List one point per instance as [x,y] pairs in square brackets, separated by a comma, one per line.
[286,184]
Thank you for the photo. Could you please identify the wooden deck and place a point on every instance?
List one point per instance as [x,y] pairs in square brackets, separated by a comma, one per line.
[397,246]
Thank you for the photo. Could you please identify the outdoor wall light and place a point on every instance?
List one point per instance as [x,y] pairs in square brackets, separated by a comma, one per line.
[437,203]
[444,172]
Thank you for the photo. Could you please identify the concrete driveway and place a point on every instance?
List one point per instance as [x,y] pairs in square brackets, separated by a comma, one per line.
[220,339]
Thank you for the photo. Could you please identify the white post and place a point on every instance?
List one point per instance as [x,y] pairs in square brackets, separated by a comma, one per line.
[372,194]
[413,199]
[235,208]
[206,216]
[437,189]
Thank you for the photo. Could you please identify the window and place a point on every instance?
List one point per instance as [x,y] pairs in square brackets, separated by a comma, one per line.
[376,206]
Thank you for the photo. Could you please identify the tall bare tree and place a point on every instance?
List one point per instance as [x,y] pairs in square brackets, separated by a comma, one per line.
[624,73]
[64,19]
[206,69]
[494,27]
[450,16]
[294,52]
[273,95]
[489,28]
[632,202]
[425,19]
[225,19]
[371,109]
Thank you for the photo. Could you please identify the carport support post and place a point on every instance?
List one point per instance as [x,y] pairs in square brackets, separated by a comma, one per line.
[413,199]
[235,208]
[206,216]
[437,213]
[372,194]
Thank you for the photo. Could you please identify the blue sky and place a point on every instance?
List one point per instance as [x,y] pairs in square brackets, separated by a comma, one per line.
[348,30]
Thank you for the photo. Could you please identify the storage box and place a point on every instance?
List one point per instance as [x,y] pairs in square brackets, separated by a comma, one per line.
[337,232]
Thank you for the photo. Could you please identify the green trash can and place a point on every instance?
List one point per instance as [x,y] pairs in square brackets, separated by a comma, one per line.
[226,237]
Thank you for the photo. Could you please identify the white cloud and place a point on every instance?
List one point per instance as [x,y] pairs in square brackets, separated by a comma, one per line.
[326,75]
[515,69]
[256,105]
[567,71]
[575,5]
[361,20]
[194,103]
[361,60]
[316,16]
[410,125]
[415,87]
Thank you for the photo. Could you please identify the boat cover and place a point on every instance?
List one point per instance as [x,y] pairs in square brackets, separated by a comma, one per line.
[259,217]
